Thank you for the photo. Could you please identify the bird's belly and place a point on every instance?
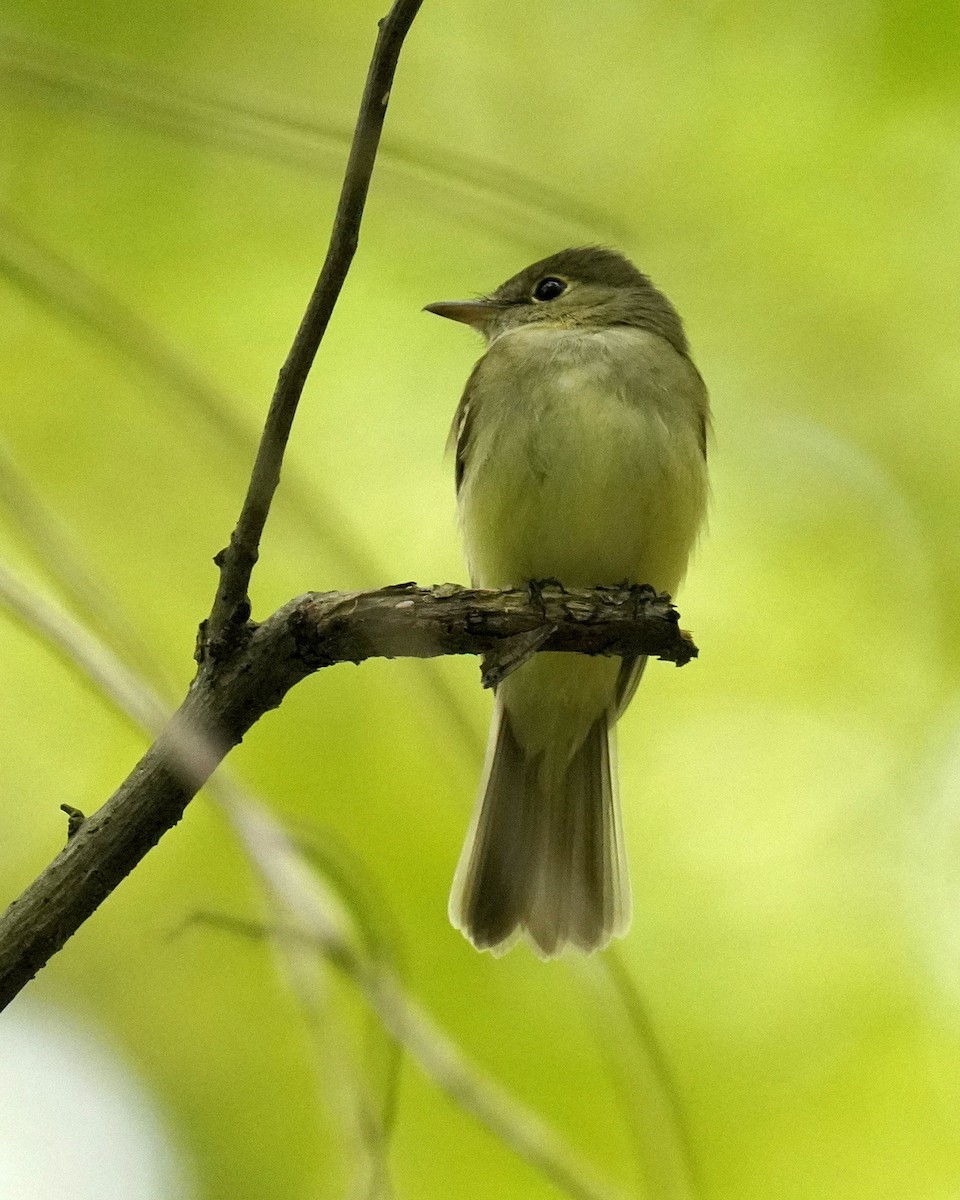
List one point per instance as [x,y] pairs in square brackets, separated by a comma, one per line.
[586,489]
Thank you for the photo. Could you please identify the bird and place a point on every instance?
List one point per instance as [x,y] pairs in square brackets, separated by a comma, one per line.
[580,449]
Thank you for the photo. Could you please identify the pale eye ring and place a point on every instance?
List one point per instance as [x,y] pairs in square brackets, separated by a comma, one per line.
[549,289]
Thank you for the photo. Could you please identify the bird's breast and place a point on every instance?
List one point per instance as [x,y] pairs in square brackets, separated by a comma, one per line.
[583,462]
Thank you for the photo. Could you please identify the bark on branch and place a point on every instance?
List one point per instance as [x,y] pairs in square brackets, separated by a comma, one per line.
[314,631]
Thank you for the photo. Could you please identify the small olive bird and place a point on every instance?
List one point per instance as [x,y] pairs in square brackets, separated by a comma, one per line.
[581,457]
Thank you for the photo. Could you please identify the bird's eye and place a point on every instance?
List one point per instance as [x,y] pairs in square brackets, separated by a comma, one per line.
[549,289]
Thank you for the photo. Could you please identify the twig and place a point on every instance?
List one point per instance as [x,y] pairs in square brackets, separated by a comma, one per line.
[442,1061]
[231,607]
[500,198]
[47,540]
[76,645]
[75,819]
[649,1092]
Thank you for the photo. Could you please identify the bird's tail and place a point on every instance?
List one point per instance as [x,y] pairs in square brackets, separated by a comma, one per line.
[544,855]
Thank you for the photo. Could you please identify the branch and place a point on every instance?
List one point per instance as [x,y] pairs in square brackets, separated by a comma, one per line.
[406,621]
[295,888]
[313,631]
[231,607]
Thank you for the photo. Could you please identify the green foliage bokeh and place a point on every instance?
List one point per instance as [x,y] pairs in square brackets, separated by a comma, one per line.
[789,174]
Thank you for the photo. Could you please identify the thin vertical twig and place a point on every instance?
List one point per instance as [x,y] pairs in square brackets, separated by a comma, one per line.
[237,560]
[663,1138]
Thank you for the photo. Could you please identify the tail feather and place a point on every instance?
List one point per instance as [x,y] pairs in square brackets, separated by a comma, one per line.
[492,886]
[544,857]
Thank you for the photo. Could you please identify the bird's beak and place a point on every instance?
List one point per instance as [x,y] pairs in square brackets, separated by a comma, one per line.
[478,313]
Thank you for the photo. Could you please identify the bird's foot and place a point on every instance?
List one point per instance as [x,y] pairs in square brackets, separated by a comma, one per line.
[640,594]
[536,588]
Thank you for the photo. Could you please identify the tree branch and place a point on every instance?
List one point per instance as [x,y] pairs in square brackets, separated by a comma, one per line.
[406,621]
[231,607]
[313,631]
[335,925]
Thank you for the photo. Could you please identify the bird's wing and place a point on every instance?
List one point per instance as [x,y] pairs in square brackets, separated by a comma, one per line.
[460,431]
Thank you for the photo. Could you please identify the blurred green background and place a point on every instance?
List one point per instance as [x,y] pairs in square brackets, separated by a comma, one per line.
[790,175]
